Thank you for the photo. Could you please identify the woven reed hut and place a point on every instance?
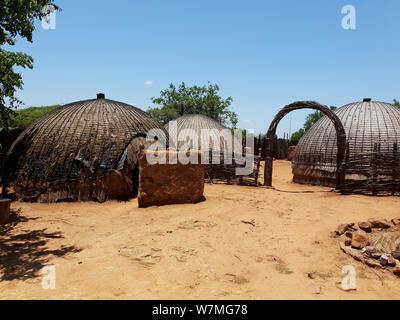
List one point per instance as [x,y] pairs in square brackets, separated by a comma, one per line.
[197,123]
[83,151]
[217,167]
[372,159]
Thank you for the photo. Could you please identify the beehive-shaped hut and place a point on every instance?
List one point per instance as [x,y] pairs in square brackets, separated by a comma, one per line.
[193,139]
[83,151]
[372,157]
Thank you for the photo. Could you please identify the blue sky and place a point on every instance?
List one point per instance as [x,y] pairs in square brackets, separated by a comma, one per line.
[265,54]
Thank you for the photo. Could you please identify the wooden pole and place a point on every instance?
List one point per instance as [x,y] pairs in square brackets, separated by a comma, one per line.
[269,158]
[263,148]
[342,173]
[258,166]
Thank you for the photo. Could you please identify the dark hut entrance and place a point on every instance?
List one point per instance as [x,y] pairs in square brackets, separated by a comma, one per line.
[271,134]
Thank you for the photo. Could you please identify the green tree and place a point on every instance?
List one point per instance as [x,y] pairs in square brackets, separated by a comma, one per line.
[24,117]
[295,138]
[311,119]
[17,18]
[396,103]
[175,102]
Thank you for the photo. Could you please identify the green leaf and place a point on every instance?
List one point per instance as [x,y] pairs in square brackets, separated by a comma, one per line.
[17,18]
[175,102]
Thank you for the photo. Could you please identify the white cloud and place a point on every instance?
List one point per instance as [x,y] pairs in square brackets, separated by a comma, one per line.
[246,121]
[149,82]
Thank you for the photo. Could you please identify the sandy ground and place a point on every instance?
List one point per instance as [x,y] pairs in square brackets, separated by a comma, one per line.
[210,250]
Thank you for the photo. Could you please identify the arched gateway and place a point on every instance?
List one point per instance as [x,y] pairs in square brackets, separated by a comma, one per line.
[340,133]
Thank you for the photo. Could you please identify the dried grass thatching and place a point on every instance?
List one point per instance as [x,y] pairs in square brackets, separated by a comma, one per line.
[82,151]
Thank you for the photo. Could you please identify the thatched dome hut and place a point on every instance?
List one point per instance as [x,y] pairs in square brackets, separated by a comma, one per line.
[197,123]
[373,132]
[83,151]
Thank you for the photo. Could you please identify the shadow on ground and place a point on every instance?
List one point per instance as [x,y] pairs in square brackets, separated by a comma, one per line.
[24,253]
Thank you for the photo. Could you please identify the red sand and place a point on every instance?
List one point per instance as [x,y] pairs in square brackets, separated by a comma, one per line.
[241,243]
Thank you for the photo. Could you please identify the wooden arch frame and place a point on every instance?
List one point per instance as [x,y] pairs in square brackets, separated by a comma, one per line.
[340,133]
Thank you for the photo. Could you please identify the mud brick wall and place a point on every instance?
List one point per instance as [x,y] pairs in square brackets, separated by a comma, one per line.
[163,184]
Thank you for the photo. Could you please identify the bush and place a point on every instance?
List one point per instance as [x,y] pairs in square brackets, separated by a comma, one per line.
[24,117]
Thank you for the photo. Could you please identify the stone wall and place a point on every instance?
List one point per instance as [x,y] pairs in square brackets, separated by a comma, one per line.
[163,184]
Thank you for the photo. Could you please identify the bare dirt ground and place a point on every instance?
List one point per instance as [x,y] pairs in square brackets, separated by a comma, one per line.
[241,243]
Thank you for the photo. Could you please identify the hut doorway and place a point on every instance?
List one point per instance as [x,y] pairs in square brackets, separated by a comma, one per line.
[340,134]
[135,180]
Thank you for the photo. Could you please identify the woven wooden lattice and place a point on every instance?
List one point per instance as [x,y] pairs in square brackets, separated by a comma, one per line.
[227,172]
[339,137]
[372,157]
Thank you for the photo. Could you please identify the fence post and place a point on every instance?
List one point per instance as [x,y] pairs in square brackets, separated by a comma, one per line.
[258,166]
[342,173]
[258,144]
[269,158]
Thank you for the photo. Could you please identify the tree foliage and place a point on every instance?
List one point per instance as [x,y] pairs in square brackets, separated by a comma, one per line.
[396,103]
[310,120]
[24,117]
[295,138]
[175,102]
[17,18]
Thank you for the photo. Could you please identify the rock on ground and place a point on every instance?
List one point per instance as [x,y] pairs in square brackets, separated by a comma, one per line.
[359,240]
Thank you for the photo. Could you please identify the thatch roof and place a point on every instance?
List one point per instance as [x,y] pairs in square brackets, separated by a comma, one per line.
[197,123]
[368,125]
[90,134]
